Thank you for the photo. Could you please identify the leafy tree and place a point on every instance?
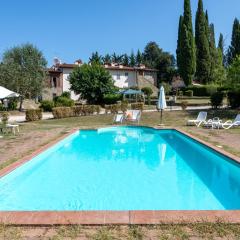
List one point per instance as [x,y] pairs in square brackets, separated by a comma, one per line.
[203,66]
[148,92]
[117,58]
[234,48]
[234,74]
[23,71]
[151,54]
[125,60]
[186,58]
[91,82]
[139,58]
[107,59]
[132,60]
[95,58]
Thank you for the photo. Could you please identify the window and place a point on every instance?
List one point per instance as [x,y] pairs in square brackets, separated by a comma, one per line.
[126,74]
[54,82]
[118,76]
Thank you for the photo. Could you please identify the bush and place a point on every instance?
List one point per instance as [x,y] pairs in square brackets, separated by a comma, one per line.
[66,95]
[33,114]
[62,112]
[47,105]
[137,106]
[111,98]
[217,99]
[202,91]
[234,99]
[148,92]
[184,105]
[63,102]
[189,93]
[4,117]
[12,104]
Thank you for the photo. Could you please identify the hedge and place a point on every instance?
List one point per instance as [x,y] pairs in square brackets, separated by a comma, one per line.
[217,99]
[47,105]
[64,112]
[234,99]
[33,114]
[115,108]
[137,106]
[202,91]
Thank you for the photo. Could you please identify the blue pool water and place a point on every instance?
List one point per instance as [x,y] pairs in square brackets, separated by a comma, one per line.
[124,168]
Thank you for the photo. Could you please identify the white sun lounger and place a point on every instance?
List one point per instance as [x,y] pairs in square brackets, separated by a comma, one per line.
[201,118]
[118,118]
[229,124]
[135,116]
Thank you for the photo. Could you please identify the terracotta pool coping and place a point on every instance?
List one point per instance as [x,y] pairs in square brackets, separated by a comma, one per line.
[114,217]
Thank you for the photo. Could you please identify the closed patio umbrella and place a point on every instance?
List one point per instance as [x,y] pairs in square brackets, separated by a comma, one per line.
[161,102]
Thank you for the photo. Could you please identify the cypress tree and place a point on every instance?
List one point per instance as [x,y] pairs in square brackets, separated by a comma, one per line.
[132,60]
[221,47]
[202,44]
[186,59]
[125,60]
[139,58]
[234,48]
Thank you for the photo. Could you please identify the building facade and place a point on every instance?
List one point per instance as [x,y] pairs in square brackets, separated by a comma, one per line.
[57,81]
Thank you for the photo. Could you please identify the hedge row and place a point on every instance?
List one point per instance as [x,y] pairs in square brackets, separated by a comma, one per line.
[234,99]
[64,112]
[33,114]
[115,108]
[137,106]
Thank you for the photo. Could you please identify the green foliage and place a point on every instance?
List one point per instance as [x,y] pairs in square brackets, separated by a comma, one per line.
[167,87]
[139,58]
[233,74]
[203,61]
[221,44]
[189,93]
[23,70]
[203,91]
[62,112]
[111,98]
[66,94]
[33,115]
[148,92]
[107,59]
[132,60]
[186,58]
[63,102]
[95,58]
[234,98]
[12,104]
[234,49]
[47,105]
[92,82]
[217,99]
[4,117]
[125,60]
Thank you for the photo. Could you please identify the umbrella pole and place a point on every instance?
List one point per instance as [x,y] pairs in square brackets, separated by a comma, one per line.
[161,116]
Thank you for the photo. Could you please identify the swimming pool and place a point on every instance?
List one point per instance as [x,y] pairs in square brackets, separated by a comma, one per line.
[124,168]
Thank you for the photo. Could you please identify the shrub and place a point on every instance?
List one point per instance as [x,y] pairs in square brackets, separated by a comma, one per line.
[12,104]
[63,102]
[33,114]
[189,93]
[137,106]
[202,91]
[111,98]
[184,105]
[77,110]
[66,95]
[4,117]
[217,99]
[234,98]
[148,92]
[47,105]
[62,112]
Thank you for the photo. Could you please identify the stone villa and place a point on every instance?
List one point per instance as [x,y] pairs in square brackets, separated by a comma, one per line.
[123,77]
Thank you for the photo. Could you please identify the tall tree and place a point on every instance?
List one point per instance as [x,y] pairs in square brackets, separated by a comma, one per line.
[186,58]
[132,60]
[23,70]
[202,43]
[125,60]
[139,58]
[96,58]
[107,59]
[221,43]
[234,49]
[151,54]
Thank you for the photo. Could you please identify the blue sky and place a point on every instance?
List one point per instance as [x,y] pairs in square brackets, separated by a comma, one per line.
[72,29]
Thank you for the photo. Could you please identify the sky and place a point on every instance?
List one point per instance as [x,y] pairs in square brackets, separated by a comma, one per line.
[73,29]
